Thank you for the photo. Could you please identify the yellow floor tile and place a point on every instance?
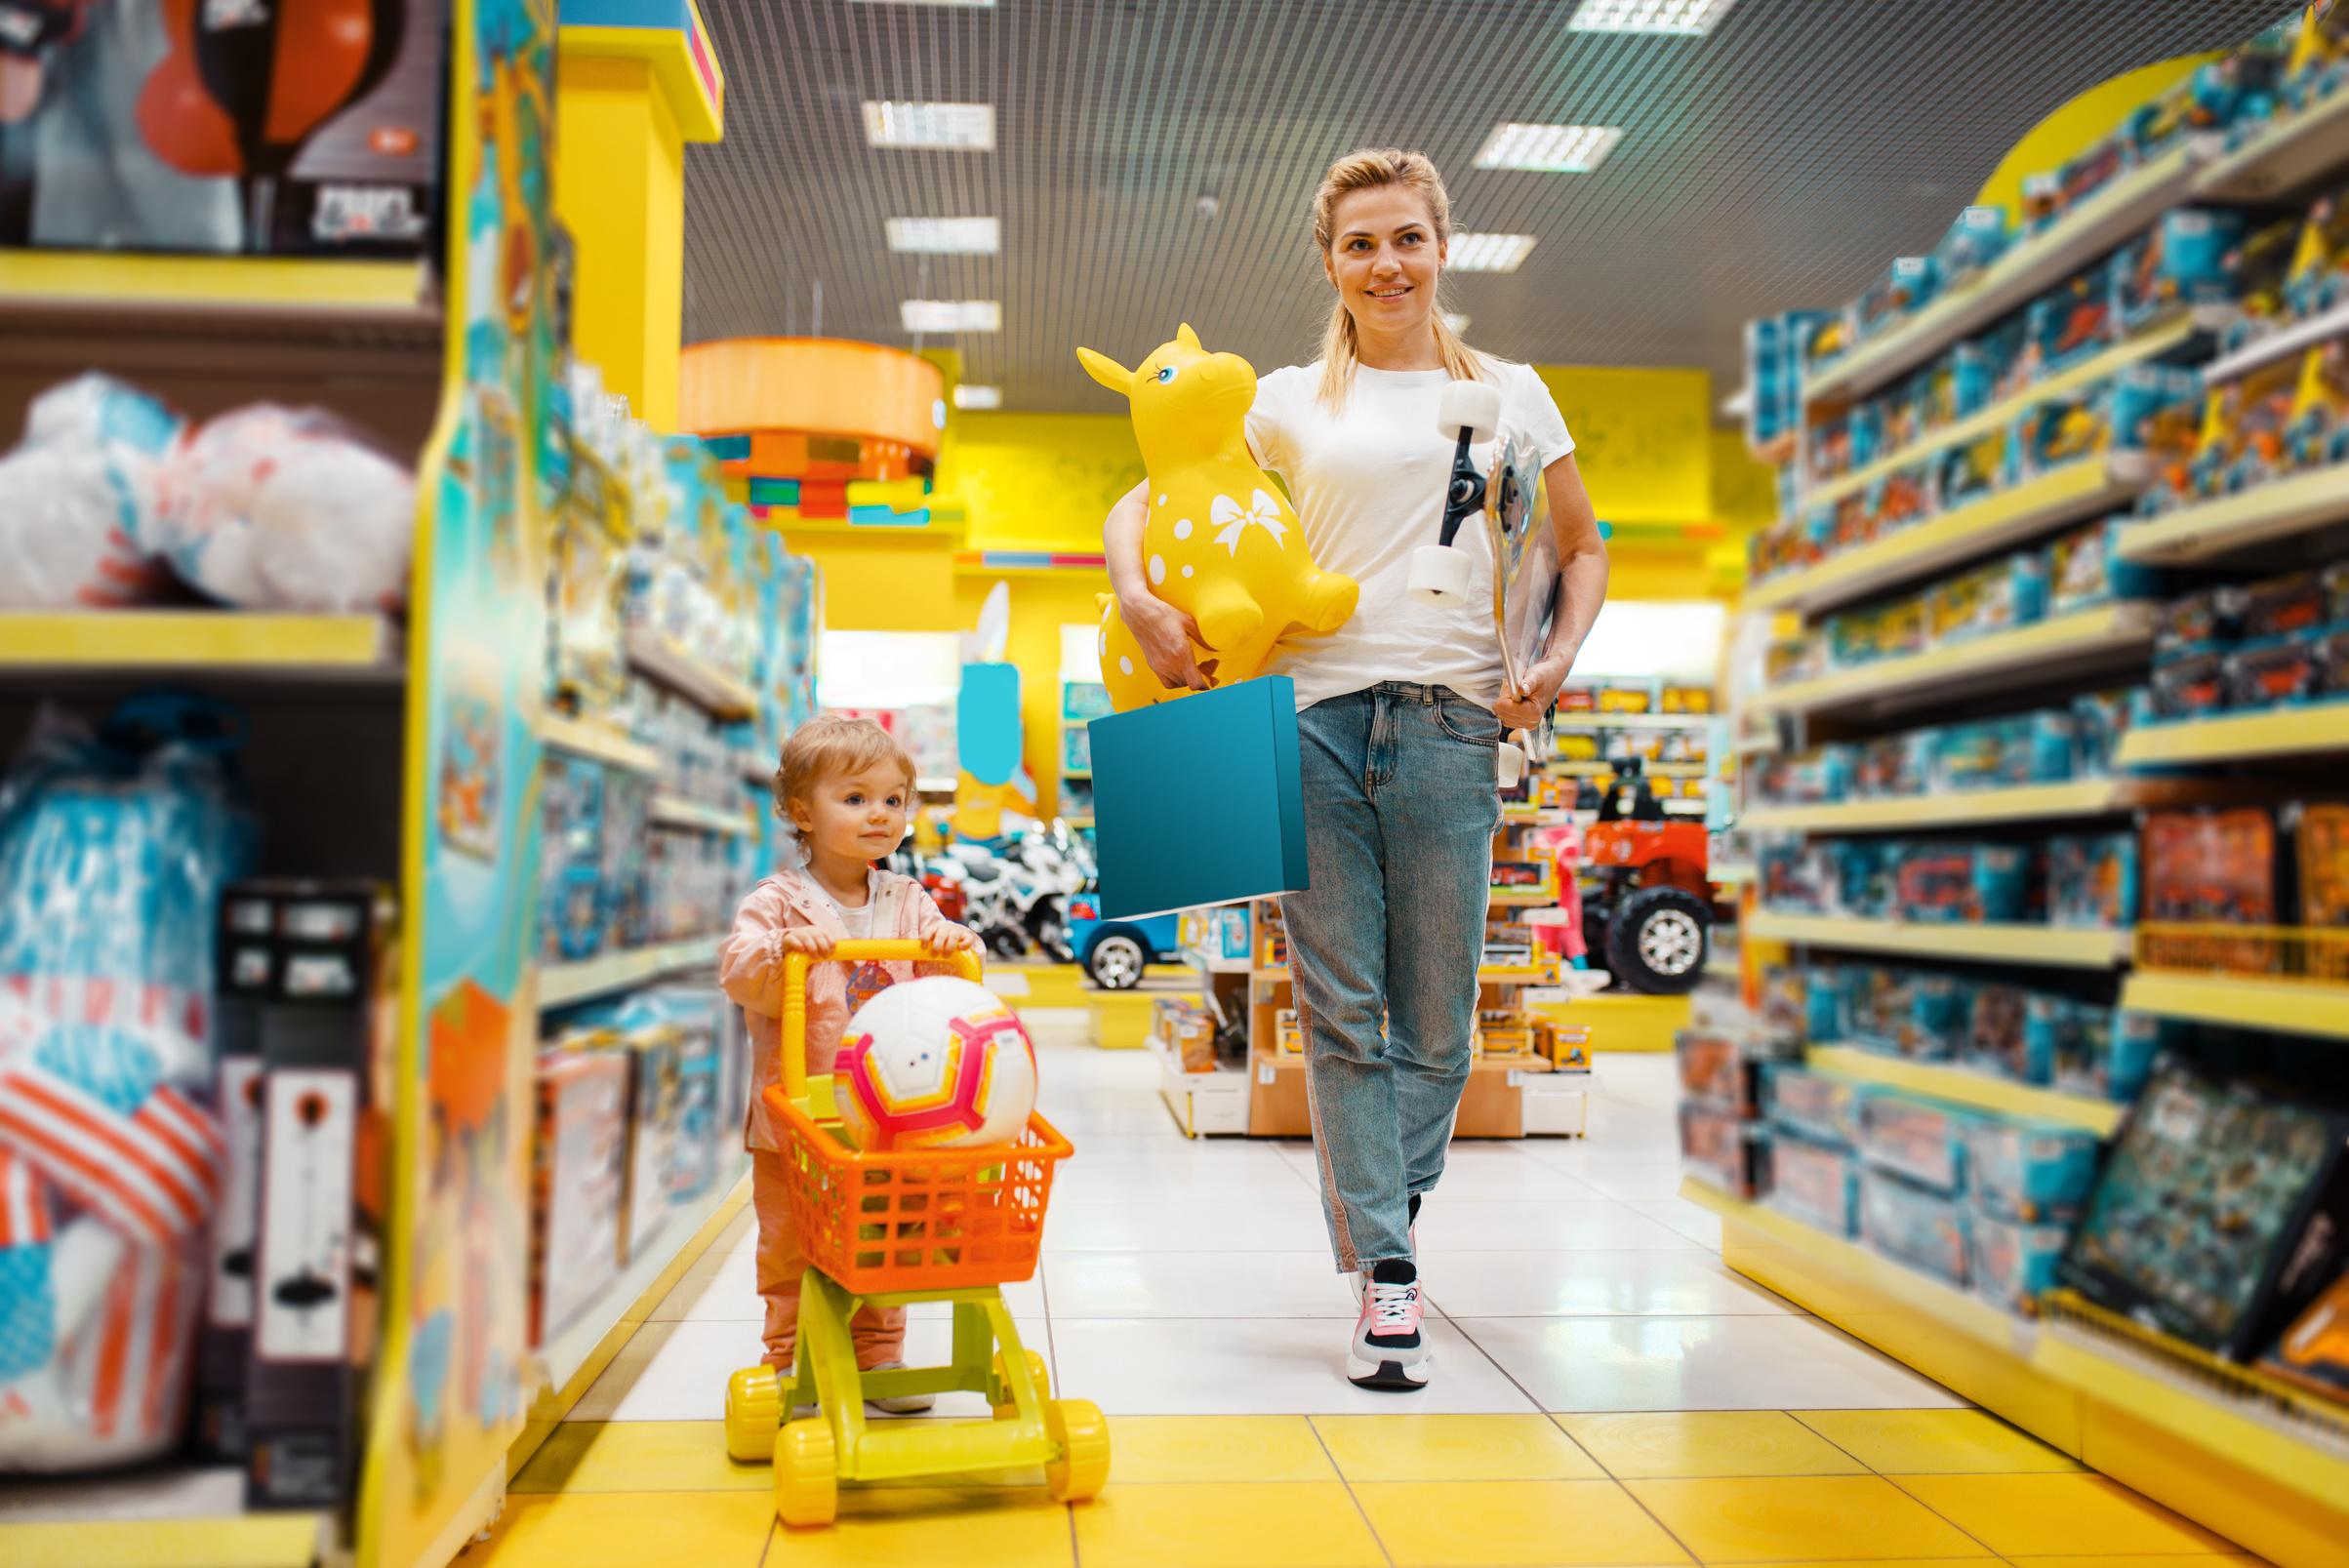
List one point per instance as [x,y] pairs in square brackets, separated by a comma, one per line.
[629,1530]
[1935,1442]
[2164,1559]
[897,1526]
[1216,1448]
[1272,1524]
[2061,1515]
[638,1455]
[1682,1443]
[1454,1448]
[1801,1518]
[1469,1524]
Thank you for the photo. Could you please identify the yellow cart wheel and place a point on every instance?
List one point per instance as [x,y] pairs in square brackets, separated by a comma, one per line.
[754,1410]
[807,1490]
[1082,1434]
[1036,1370]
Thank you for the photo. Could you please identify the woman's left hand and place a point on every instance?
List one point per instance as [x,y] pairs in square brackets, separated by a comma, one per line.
[1541,682]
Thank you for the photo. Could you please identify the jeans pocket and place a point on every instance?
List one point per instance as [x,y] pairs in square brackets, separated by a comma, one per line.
[1463,720]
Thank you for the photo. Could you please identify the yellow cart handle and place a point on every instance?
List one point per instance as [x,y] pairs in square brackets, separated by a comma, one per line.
[794,991]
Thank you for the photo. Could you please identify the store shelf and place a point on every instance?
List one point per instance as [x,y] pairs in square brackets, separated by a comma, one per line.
[1588,769]
[1531,899]
[2293,153]
[2049,946]
[560,984]
[1962,1087]
[2035,655]
[2278,344]
[2077,489]
[679,811]
[662,660]
[297,648]
[2030,269]
[2256,517]
[298,295]
[598,742]
[2150,343]
[2276,731]
[2085,797]
[1630,722]
[1514,975]
[1214,966]
[2246,1001]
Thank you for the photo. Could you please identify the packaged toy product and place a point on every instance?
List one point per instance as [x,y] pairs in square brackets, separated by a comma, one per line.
[2312,284]
[2313,1352]
[2260,263]
[1903,1012]
[2098,721]
[2274,670]
[2097,1050]
[2092,879]
[2189,684]
[1962,882]
[1995,1036]
[77,499]
[1893,631]
[2182,260]
[1913,1225]
[1977,469]
[2014,1262]
[2319,431]
[1997,597]
[1820,1108]
[2085,569]
[1723,1071]
[1907,284]
[2321,845]
[1726,1149]
[2210,866]
[935,1062]
[2069,322]
[2200,619]
[1816,1184]
[1922,1140]
[2029,1171]
[2223,1213]
[1973,242]
[576,1182]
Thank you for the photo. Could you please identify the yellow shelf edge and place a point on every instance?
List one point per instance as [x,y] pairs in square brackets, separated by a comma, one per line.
[2050,947]
[562,984]
[2297,146]
[2148,343]
[1977,1089]
[2082,798]
[95,639]
[2230,737]
[2296,1007]
[2104,627]
[599,743]
[683,810]
[2256,517]
[293,284]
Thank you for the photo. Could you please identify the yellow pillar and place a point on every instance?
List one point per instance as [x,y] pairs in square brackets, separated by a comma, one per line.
[635,81]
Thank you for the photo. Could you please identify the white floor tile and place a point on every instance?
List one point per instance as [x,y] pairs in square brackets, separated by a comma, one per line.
[1586,1226]
[1253,1226]
[1471,1176]
[1259,1366]
[1629,1183]
[1201,1182]
[1685,1283]
[1699,1225]
[673,1371]
[716,1288]
[1699,1363]
[1196,1284]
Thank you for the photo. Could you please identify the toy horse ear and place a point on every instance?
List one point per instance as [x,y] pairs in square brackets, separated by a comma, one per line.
[1106,371]
[1188,339]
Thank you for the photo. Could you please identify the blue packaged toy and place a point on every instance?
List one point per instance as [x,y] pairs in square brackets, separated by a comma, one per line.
[2185,260]
[1813,1105]
[1995,598]
[2013,1261]
[2086,569]
[2029,1170]
[1922,1140]
[1913,1225]
[1816,1185]
[1996,1038]
[2092,879]
[1977,239]
[2100,1051]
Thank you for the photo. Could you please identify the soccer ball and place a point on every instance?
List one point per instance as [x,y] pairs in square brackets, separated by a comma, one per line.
[937,1063]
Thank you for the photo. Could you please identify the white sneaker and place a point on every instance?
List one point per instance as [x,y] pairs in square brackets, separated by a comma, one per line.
[1388,1351]
[909,1404]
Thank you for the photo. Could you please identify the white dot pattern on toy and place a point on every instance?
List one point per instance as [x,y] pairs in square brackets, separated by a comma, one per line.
[1187,571]
[1125,666]
[1182,526]
[1157,569]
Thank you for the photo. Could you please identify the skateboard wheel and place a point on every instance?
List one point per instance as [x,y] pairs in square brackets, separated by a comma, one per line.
[807,1486]
[1082,1434]
[754,1410]
[1035,1369]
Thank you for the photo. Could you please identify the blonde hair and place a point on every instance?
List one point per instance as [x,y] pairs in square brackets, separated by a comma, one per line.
[1368,170]
[827,747]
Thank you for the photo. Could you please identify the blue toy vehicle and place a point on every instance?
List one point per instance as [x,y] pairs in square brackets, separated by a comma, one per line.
[1115,951]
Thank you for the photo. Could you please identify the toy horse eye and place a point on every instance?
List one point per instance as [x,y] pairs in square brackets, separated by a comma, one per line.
[1166,373]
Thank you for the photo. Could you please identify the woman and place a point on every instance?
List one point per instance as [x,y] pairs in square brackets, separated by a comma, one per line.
[1399,715]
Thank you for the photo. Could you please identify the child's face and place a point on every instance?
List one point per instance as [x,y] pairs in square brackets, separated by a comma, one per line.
[855,817]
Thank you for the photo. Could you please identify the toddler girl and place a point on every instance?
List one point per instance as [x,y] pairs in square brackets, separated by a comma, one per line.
[845,787]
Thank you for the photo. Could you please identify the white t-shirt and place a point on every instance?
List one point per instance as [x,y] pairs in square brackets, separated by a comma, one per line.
[859,917]
[1368,485]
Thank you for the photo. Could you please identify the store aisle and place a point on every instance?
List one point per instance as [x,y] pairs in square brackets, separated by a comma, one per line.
[1607,1390]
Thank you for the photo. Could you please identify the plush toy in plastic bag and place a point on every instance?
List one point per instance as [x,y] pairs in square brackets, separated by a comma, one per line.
[113,850]
[77,497]
[276,508]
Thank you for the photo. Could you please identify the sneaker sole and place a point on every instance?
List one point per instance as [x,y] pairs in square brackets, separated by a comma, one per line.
[1393,1377]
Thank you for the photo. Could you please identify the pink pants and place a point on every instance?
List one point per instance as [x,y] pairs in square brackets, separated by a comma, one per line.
[878,1332]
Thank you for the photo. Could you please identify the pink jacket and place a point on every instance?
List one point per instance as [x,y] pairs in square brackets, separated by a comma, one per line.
[750,966]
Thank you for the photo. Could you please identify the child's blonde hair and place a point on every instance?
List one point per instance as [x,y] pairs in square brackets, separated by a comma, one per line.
[1368,170]
[828,745]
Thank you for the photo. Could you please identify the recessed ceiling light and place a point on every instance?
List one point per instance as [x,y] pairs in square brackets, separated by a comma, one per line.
[964,126]
[950,315]
[946,236]
[1564,149]
[1457,322]
[1688,18]
[1488,253]
[978,397]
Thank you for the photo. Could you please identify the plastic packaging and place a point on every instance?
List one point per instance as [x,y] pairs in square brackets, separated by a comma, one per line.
[2027,1170]
[1725,1150]
[1816,1184]
[1906,1222]
[2013,1261]
[2085,569]
[2092,879]
[77,499]
[1997,597]
[1922,1140]
[1812,1104]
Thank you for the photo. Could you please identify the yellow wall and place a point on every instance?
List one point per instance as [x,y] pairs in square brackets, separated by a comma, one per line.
[1643,439]
[620,188]
[1038,479]
[884,583]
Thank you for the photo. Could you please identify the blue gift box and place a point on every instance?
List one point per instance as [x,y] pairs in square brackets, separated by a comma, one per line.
[1199,801]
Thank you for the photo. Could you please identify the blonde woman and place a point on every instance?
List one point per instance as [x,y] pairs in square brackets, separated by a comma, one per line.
[1398,712]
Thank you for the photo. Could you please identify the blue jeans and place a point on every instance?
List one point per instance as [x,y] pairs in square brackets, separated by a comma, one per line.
[1401,804]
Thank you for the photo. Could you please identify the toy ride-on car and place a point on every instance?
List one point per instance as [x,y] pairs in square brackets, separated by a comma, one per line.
[1650,913]
[1115,952]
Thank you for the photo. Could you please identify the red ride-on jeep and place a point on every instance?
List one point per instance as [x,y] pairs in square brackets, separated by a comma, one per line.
[1651,917]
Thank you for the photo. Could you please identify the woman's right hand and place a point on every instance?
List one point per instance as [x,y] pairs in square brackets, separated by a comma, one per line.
[1166,635]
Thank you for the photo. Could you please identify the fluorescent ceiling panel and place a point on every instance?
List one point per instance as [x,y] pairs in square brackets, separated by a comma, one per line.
[1489,252]
[946,236]
[960,127]
[1559,149]
[977,397]
[888,669]
[950,315]
[1684,19]
[1649,639]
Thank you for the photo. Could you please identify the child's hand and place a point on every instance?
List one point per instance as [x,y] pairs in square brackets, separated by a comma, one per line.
[951,938]
[808,939]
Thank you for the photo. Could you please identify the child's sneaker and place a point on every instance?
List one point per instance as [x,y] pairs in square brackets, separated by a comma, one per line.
[909,1404]
[1388,1351]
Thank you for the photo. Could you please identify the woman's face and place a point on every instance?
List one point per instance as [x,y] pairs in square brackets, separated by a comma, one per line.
[1383,256]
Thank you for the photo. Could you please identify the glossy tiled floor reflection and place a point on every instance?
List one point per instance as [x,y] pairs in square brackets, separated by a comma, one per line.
[1607,1392]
